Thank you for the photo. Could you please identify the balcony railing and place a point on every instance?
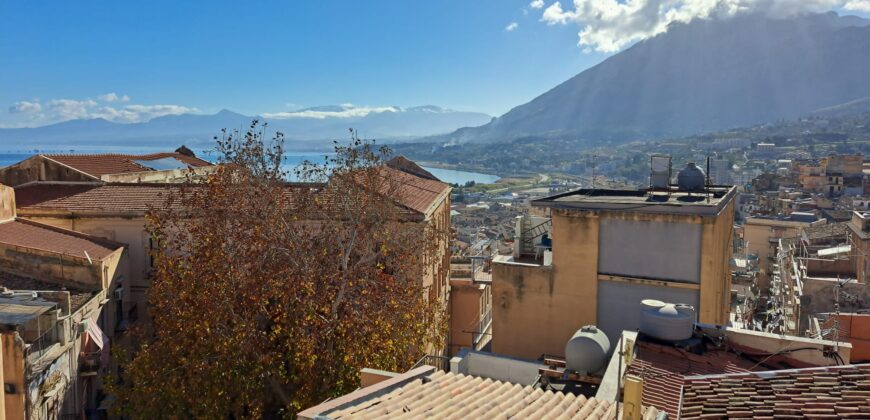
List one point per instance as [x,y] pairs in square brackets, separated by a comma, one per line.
[439,362]
[39,346]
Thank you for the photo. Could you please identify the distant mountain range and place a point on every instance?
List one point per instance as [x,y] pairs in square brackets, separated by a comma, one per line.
[703,76]
[307,129]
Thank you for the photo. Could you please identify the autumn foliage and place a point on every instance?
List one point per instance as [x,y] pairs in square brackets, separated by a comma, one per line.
[268,297]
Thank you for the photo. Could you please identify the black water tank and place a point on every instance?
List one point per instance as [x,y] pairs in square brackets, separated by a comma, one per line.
[691,178]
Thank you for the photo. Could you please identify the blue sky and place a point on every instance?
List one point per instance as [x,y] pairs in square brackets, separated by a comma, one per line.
[259,57]
[132,60]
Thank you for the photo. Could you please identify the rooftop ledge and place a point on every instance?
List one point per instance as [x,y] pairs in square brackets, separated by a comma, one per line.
[522,261]
[708,203]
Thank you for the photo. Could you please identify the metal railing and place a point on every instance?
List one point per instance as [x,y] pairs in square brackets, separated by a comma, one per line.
[39,346]
[484,324]
[438,362]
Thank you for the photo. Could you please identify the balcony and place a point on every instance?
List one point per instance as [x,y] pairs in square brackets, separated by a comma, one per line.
[91,362]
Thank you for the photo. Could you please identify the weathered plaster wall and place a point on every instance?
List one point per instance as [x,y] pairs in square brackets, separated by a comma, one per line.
[38,168]
[7,203]
[62,269]
[13,374]
[464,314]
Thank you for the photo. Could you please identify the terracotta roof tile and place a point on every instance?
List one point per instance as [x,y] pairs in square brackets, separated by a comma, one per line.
[37,198]
[98,165]
[836,392]
[449,395]
[664,368]
[414,192]
[26,234]
[111,198]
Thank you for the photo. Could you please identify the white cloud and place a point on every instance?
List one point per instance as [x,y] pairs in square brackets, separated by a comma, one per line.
[610,25]
[537,4]
[25,107]
[512,26]
[71,109]
[858,5]
[57,110]
[340,111]
[113,97]
[139,113]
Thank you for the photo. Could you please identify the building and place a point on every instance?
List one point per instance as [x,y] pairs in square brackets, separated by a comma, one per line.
[851,328]
[761,237]
[610,249]
[117,211]
[112,211]
[59,298]
[720,172]
[663,367]
[471,298]
[859,234]
[155,167]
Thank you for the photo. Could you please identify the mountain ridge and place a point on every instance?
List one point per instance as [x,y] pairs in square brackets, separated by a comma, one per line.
[699,77]
[303,132]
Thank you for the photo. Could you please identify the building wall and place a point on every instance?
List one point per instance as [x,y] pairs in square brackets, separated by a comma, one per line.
[129,231]
[57,268]
[7,203]
[38,168]
[537,309]
[464,313]
[169,175]
[13,375]
[716,251]
[757,233]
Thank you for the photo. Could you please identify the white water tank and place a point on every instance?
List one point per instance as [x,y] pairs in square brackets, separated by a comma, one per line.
[586,352]
[666,321]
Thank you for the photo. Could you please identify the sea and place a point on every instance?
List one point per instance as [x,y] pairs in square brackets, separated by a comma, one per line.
[291,160]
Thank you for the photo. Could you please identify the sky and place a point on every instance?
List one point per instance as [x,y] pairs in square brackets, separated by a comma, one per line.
[131,61]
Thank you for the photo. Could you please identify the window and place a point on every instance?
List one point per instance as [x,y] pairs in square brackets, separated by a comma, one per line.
[118,301]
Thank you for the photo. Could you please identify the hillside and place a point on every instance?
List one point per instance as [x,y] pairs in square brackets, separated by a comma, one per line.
[703,76]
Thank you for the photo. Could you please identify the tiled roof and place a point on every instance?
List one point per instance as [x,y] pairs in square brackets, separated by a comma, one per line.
[836,392]
[449,395]
[663,369]
[98,165]
[26,234]
[406,165]
[111,198]
[126,198]
[15,282]
[412,191]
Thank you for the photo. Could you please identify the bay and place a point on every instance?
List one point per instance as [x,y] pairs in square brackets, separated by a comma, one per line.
[291,160]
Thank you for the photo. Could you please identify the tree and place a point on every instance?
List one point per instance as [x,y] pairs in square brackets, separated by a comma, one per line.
[268,297]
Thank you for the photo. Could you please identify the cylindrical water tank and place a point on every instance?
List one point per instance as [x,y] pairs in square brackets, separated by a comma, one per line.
[691,178]
[587,350]
[666,321]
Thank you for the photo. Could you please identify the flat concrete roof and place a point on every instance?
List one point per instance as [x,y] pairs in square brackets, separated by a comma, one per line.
[19,313]
[644,201]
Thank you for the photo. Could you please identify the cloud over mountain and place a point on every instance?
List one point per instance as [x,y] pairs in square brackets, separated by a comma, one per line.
[611,25]
[108,106]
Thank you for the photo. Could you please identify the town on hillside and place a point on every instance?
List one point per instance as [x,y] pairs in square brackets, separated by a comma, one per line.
[693,295]
[495,210]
